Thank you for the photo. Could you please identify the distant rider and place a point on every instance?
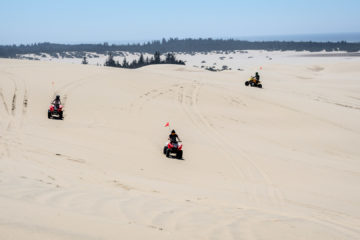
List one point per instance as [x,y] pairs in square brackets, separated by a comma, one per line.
[257,77]
[56,102]
[173,137]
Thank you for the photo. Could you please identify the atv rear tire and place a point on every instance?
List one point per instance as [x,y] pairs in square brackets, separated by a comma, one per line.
[247,83]
[259,86]
[179,154]
[168,153]
[49,115]
[61,115]
[165,149]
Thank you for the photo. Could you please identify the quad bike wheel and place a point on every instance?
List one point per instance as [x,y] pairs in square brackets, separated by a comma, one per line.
[179,154]
[49,114]
[168,153]
[247,83]
[165,149]
[259,86]
[61,115]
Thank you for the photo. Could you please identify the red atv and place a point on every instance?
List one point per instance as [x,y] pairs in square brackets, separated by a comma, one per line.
[55,111]
[173,148]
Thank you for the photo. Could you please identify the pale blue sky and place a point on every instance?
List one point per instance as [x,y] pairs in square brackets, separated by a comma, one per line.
[74,21]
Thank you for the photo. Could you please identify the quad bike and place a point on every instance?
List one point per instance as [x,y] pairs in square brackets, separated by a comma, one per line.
[173,148]
[55,112]
[253,83]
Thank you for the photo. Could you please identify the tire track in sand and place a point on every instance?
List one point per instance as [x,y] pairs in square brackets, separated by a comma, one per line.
[187,101]
[149,96]
[255,173]
[11,138]
[67,88]
[4,102]
[250,171]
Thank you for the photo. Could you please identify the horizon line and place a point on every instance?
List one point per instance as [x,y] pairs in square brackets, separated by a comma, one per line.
[248,38]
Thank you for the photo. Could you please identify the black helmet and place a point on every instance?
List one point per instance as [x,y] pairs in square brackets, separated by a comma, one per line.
[57,96]
[256,73]
[173,131]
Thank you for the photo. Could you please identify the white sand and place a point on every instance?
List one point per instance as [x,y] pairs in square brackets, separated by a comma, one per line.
[275,163]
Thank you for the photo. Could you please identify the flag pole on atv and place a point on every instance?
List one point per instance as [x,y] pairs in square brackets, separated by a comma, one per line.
[52,88]
[167,125]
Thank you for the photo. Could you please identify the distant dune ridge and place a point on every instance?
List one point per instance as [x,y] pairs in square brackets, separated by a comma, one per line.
[176,45]
[280,162]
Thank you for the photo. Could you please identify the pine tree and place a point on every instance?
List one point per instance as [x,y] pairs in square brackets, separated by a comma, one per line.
[133,64]
[84,61]
[141,61]
[152,61]
[170,58]
[125,64]
[157,57]
[110,61]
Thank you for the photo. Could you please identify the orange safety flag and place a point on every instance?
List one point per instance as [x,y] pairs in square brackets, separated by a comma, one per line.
[167,124]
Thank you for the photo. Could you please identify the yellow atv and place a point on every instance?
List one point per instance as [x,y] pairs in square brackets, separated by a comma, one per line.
[253,83]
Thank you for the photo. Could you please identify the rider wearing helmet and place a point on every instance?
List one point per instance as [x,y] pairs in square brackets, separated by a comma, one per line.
[173,137]
[56,102]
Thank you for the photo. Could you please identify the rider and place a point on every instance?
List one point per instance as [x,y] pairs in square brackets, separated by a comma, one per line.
[56,102]
[257,77]
[173,137]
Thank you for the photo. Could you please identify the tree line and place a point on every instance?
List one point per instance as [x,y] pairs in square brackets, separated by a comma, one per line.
[141,62]
[177,45]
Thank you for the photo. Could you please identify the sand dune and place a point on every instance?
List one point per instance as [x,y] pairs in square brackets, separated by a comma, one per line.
[233,60]
[280,162]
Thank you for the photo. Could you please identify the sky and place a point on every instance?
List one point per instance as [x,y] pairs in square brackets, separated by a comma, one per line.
[90,21]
